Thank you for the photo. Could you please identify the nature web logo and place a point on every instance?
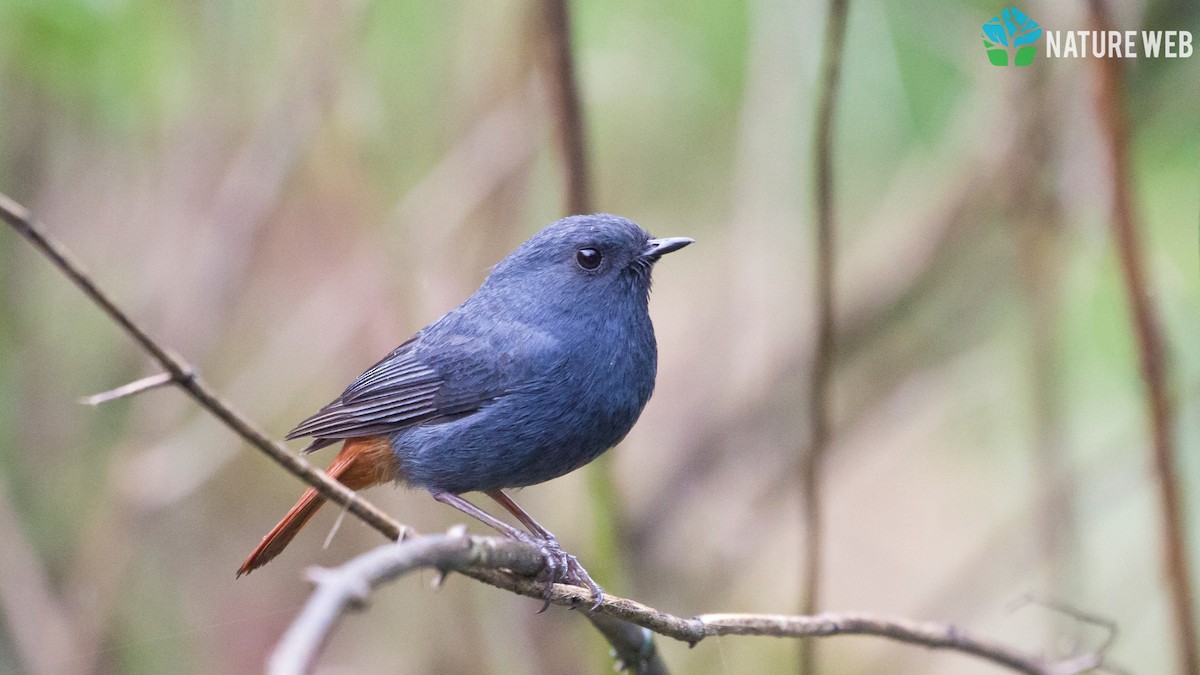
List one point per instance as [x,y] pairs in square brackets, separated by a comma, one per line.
[1009,37]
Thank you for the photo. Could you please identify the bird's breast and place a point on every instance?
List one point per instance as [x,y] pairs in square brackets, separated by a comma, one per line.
[568,403]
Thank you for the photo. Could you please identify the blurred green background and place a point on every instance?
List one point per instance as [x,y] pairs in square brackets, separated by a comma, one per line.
[284,191]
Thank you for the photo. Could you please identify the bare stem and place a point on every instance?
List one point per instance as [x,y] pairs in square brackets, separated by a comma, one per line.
[131,389]
[556,19]
[810,471]
[1110,106]
[349,587]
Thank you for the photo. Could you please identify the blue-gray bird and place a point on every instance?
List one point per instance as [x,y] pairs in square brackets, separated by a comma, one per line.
[544,368]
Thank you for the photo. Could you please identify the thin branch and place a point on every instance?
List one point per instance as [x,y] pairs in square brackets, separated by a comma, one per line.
[556,18]
[349,587]
[634,645]
[1110,106]
[924,633]
[810,469]
[1037,210]
[184,375]
[137,387]
[1110,627]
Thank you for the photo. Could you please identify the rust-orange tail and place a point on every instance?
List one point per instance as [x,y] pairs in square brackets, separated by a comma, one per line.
[361,463]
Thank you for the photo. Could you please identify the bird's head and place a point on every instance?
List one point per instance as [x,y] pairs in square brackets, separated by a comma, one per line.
[595,258]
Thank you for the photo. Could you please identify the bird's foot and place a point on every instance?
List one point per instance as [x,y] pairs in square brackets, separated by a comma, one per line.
[561,567]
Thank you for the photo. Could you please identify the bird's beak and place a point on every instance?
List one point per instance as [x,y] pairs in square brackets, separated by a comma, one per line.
[656,248]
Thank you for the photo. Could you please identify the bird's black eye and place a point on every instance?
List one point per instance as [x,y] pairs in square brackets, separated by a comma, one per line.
[588,258]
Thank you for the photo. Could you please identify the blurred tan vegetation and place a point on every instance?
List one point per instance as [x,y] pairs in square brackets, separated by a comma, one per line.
[284,191]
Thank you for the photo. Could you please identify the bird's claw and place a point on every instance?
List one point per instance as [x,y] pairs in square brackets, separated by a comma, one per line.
[562,567]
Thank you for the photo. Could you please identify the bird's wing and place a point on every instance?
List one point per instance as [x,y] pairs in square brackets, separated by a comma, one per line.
[394,393]
[406,389]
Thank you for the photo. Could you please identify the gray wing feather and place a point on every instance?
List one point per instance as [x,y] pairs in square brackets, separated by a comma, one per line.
[401,391]
[398,391]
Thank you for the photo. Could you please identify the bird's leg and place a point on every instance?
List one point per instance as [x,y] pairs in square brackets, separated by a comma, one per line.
[479,514]
[527,520]
[574,571]
[557,561]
